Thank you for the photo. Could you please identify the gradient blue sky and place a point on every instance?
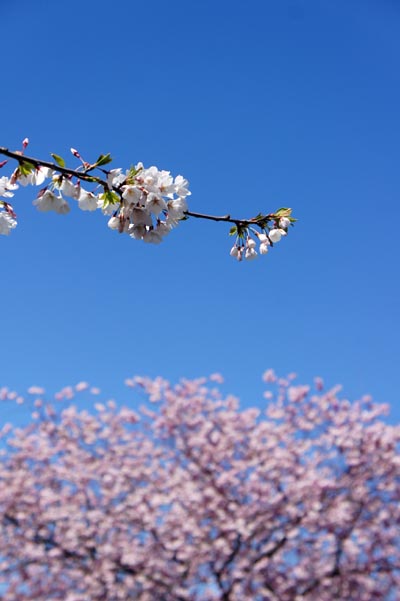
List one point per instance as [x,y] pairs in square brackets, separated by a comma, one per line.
[260,105]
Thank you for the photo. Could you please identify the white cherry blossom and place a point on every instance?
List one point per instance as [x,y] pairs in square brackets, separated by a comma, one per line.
[176,208]
[87,201]
[275,235]
[132,194]
[152,236]
[155,204]
[250,254]
[284,222]
[7,223]
[35,177]
[6,187]
[113,223]
[68,188]
[48,201]
[181,186]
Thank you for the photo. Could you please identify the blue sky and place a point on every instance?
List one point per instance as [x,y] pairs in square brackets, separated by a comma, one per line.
[260,105]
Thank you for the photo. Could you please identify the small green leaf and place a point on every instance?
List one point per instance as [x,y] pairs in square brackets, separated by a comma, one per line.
[283,212]
[59,160]
[109,198]
[130,178]
[233,230]
[26,168]
[103,159]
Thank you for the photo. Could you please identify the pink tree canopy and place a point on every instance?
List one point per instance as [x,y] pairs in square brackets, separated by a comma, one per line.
[193,498]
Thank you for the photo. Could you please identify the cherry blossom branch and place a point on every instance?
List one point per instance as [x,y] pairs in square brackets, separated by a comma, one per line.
[145,203]
[22,159]
[84,175]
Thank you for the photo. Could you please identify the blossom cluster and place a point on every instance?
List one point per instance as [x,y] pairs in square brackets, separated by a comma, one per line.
[245,246]
[144,203]
[153,202]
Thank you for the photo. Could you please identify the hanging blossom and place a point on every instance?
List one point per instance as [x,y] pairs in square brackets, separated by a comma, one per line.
[247,238]
[145,203]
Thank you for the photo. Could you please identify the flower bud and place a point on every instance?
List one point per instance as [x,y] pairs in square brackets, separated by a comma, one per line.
[234,251]
[251,243]
[263,248]
[284,222]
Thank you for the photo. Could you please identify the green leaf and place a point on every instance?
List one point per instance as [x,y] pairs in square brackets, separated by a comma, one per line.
[109,197]
[130,178]
[59,160]
[233,230]
[283,212]
[103,159]
[26,168]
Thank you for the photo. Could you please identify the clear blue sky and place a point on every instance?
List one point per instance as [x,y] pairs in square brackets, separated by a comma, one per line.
[260,105]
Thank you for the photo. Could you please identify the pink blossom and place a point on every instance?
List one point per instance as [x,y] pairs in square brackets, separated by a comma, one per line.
[195,498]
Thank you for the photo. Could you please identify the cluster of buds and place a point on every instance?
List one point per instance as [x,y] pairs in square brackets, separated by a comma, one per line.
[144,203]
[273,228]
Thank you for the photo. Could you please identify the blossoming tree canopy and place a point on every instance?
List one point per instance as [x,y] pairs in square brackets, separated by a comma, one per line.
[144,203]
[192,498]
